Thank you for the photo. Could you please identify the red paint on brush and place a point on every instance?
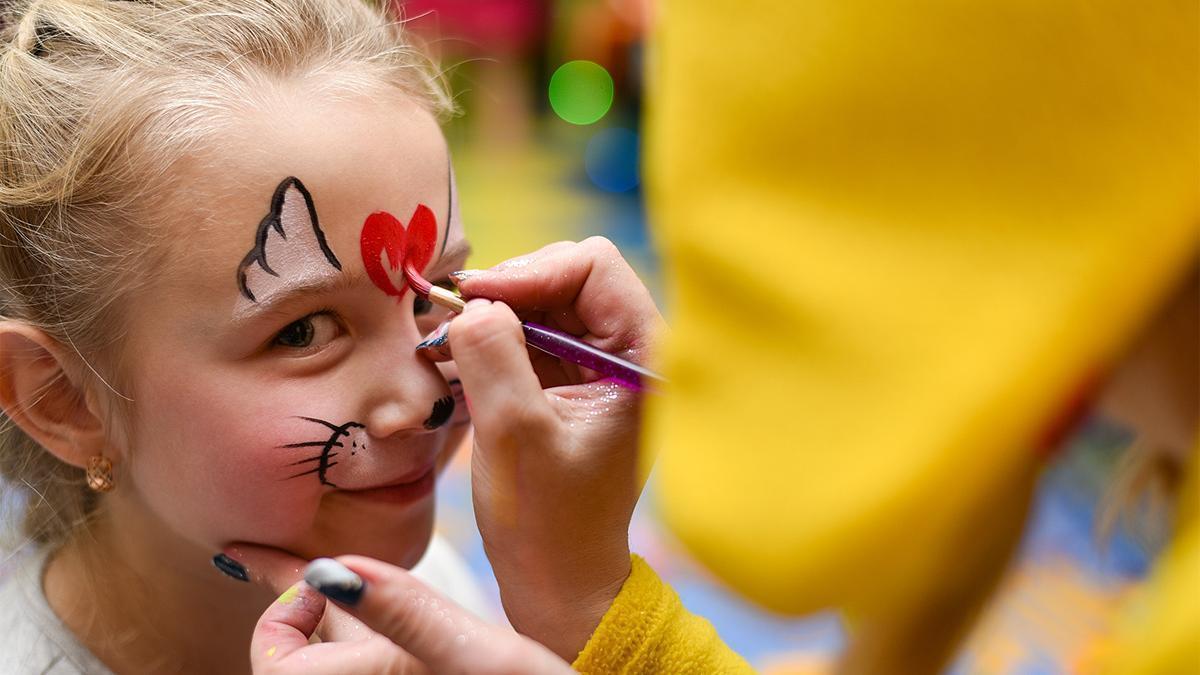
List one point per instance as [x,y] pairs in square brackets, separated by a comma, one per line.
[416,281]
[384,234]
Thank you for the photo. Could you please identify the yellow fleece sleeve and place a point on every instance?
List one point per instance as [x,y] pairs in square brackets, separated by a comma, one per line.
[648,630]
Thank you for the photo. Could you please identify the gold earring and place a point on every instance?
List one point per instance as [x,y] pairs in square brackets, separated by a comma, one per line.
[99,473]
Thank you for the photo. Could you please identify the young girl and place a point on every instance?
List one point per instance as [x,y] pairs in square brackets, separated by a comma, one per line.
[205,340]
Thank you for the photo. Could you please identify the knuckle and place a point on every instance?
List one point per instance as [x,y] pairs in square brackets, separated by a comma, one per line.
[602,246]
[520,423]
[407,612]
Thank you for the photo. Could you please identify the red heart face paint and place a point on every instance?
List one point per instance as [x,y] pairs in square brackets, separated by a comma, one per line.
[383,234]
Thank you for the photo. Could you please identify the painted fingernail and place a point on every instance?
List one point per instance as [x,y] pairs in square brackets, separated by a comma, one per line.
[457,277]
[289,595]
[437,338]
[230,567]
[335,581]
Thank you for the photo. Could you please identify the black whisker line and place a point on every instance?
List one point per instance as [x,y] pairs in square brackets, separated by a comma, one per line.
[327,446]
[309,444]
[331,425]
[313,459]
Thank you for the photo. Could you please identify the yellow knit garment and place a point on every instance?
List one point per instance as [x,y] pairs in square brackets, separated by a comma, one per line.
[898,238]
[647,630]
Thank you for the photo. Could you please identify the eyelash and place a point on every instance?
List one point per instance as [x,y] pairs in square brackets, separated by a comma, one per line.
[275,341]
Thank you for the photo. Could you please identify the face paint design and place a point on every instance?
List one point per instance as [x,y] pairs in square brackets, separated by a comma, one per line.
[351,437]
[453,218]
[384,235]
[289,244]
[443,410]
[352,432]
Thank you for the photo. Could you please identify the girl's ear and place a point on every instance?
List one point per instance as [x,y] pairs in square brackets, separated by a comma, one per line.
[38,394]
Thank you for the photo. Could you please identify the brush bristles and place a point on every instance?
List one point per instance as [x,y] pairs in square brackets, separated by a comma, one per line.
[416,281]
[435,294]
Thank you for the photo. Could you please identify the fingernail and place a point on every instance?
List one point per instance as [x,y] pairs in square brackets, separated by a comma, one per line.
[437,338]
[230,567]
[289,595]
[457,277]
[335,581]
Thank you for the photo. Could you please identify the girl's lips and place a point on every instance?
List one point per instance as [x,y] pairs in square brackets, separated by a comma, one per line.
[400,492]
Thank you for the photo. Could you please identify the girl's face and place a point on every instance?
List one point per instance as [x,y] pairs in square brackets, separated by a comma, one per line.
[277,395]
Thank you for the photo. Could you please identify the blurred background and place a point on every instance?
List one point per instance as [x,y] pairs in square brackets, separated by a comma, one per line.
[546,148]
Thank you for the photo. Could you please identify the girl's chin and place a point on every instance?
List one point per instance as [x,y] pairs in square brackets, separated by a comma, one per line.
[372,528]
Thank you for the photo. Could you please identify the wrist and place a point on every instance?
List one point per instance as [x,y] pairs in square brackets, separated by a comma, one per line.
[563,614]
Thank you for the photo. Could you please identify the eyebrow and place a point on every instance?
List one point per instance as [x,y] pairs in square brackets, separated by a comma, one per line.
[278,302]
[457,250]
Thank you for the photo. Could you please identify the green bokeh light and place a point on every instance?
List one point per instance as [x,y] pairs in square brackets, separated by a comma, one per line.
[581,92]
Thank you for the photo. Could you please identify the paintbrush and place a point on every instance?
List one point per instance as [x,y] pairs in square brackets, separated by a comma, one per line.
[553,342]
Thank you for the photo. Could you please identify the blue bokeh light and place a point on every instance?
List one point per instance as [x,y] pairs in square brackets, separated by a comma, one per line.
[611,159]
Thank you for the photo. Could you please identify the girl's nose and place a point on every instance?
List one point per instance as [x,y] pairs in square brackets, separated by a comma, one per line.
[405,393]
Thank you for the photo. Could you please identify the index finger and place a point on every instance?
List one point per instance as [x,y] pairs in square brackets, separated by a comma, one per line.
[271,567]
[278,570]
[590,278]
[425,623]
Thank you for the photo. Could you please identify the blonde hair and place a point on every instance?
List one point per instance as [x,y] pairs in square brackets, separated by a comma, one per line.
[98,99]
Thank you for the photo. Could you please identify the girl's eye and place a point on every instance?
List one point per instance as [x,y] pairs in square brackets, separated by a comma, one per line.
[314,329]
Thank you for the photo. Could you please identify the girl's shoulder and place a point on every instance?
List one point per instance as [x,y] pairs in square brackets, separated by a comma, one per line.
[32,639]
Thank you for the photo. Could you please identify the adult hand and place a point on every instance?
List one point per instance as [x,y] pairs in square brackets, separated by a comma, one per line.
[393,624]
[555,466]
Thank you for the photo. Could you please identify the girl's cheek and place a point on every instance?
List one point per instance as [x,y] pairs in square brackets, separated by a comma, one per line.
[224,473]
[263,498]
[245,497]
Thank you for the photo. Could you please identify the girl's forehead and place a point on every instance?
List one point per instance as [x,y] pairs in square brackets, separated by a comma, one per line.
[316,172]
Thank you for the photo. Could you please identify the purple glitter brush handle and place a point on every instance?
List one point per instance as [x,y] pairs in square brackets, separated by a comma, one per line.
[569,348]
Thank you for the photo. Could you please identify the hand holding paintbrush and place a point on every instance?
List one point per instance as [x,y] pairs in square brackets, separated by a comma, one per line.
[549,340]
[555,465]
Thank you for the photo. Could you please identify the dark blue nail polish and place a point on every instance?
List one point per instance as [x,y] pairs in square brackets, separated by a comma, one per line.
[230,567]
[460,275]
[335,581]
[435,341]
